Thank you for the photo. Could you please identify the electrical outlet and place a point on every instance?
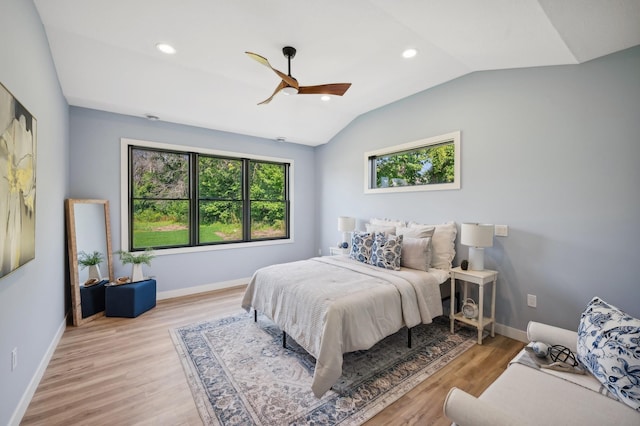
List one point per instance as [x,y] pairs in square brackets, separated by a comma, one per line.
[532,301]
[14,359]
[501,230]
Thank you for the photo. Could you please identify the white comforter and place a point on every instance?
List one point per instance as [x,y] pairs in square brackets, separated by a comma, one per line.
[333,305]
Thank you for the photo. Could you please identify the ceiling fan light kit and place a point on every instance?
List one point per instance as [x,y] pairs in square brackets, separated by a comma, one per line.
[289,85]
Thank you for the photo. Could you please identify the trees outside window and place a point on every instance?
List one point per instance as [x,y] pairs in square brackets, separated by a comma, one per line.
[185,199]
[422,165]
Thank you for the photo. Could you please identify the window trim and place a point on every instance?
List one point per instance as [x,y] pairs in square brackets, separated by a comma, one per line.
[422,143]
[125,143]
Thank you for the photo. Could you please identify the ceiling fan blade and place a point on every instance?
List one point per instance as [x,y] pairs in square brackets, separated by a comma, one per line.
[281,86]
[337,89]
[290,80]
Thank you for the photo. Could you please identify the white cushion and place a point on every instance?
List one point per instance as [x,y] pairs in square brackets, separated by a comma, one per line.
[387,222]
[416,253]
[443,248]
[416,231]
[384,229]
[609,347]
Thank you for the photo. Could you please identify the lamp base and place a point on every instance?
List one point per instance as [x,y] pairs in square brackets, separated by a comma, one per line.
[476,258]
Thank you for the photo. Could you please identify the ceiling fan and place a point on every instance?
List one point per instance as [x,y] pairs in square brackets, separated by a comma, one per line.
[290,86]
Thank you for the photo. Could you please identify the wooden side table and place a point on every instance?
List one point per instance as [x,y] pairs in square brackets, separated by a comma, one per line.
[481,278]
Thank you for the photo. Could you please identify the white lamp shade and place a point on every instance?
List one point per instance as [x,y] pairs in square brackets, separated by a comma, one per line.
[346,224]
[476,235]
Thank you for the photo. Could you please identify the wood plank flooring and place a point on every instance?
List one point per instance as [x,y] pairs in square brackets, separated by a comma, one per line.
[122,371]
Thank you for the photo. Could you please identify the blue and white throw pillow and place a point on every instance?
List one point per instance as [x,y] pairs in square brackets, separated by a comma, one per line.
[387,251]
[361,246]
[609,347]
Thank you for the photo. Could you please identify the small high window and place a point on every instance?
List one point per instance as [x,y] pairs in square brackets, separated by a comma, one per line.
[423,165]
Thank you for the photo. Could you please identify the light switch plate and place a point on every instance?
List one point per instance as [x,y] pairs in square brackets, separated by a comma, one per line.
[501,230]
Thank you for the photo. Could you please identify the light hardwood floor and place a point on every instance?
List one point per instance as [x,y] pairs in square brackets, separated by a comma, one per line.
[122,371]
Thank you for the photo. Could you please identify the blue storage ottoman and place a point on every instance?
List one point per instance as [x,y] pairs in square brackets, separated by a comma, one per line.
[92,298]
[130,300]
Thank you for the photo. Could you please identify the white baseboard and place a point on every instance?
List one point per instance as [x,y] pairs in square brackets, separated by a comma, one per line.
[201,288]
[512,333]
[21,409]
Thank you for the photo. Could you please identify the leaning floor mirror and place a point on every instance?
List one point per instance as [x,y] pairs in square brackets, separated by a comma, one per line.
[90,256]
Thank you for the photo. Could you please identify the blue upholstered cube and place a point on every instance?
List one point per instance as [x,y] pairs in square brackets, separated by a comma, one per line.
[92,298]
[130,300]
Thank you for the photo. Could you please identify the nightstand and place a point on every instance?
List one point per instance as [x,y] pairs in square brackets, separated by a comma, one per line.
[337,250]
[481,278]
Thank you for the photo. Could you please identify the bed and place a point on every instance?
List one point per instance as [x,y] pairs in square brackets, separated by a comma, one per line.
[334,305]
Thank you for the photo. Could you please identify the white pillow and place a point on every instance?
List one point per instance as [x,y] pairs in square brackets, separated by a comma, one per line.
[416,253]
[383,229]
[443,246]
[416,231]
[387,222]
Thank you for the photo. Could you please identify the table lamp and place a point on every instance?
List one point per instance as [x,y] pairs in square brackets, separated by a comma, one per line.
[477,236]
[346,225]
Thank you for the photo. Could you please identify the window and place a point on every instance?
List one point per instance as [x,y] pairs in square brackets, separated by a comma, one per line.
[200,198]
[424,165]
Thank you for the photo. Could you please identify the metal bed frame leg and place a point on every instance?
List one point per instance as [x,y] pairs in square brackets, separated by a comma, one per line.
[255,315]
[284,340]
[408,337]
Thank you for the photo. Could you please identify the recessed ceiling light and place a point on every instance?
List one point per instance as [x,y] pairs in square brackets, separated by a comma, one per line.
[325,98]
[409,53]
[166,48]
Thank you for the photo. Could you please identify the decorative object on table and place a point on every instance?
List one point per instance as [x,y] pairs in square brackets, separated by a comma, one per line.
[477,236]
[122,280]
[91,281]
[136,260]
[470,309]
[464,265]
[346,225]
[92,261]
[17,184]
[216,362]
[540,349]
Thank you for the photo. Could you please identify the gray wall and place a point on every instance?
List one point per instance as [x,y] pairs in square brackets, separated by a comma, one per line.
[95,173]
[552,152]
[32,298]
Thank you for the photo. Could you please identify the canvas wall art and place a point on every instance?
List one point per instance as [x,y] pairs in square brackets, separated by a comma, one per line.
[17,184]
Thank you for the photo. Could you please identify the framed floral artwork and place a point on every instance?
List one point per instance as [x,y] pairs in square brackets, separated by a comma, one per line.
[17,183]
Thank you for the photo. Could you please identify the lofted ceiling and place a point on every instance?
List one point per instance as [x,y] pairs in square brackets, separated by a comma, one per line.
[105,56]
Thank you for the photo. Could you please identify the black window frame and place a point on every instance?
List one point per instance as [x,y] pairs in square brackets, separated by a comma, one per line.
[194,196]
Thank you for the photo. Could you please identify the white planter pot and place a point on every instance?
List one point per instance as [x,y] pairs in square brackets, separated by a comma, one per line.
[94,272]
[136,272]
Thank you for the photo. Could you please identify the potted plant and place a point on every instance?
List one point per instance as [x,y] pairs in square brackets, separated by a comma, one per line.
[136,260]
[91,260]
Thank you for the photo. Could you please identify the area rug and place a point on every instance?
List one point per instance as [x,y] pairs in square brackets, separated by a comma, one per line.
[240,374]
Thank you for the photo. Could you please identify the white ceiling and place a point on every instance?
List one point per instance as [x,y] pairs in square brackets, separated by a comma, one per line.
[105,56]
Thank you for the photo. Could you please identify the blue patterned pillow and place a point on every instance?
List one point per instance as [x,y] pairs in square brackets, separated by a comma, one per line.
[609,347]
[387,251]
[361,245]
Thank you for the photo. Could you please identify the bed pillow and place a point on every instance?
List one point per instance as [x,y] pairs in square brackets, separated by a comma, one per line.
[443,246]
[361,245]
[609,347]
[387,251]
[387,222]
[384,229]
[415,231]
[416,253]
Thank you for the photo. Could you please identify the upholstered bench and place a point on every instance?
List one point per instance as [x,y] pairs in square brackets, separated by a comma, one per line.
[130,300]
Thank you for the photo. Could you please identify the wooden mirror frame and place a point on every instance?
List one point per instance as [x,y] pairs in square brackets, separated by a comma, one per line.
[72,245]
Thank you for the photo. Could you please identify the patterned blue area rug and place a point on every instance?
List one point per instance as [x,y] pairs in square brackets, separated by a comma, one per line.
[240,374]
